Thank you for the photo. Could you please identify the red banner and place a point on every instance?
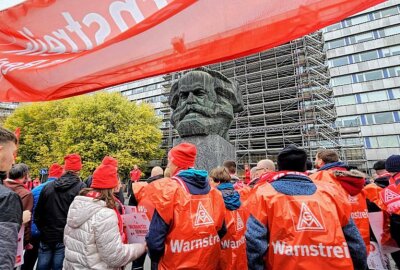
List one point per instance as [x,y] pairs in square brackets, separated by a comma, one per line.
[51,49]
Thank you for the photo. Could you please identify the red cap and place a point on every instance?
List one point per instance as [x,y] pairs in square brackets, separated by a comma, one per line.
[72,162]
[106,175]
[55,170]
[183,155]
[107,160]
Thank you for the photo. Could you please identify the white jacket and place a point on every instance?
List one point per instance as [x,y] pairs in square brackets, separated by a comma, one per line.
[92,239]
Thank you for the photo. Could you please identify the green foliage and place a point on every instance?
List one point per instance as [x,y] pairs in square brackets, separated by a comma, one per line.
[93,126]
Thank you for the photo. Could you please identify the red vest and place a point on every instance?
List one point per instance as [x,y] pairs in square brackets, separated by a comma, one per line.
[233,254]
[305,231]
[359,209]
[193,241]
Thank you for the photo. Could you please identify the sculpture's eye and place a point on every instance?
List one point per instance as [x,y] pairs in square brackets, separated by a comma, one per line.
[183,95]
[199,92]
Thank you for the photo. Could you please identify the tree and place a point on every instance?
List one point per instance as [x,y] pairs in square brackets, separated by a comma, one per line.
[93,126]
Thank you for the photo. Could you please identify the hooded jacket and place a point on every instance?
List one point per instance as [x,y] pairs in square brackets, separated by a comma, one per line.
[92,238]
[52,208]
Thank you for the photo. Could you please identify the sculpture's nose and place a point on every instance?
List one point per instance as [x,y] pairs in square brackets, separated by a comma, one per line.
[190,98]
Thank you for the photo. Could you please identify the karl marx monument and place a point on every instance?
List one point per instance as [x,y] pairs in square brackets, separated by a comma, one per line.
[204,102]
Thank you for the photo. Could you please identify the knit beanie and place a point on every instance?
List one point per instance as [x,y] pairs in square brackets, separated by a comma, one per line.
[55,170]
[72,162]
[183,155]
[106,175]
[292,158]
[393,163]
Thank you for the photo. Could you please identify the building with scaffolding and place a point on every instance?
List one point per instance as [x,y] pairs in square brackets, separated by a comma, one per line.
[7,108]
[287,98]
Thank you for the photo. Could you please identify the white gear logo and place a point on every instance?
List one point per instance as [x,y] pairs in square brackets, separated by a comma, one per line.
[202,216]
[308,221]
[239,223]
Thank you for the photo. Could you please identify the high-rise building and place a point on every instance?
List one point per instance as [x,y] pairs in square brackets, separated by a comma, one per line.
[363,53]
[7,108]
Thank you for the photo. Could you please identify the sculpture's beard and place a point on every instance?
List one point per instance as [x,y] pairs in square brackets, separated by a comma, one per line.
[194,119]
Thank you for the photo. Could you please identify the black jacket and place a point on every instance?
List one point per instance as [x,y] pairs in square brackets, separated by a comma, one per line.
[53,205]
[10,223]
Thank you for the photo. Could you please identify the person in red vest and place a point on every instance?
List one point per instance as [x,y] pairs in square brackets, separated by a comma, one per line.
[188,219]
[135,174]
[233,254]
[296,223]
[351,184]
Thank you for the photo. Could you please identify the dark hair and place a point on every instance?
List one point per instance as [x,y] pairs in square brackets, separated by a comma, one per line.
[106,195]
[230,165]
[220,175]
[309,165]
[328,156]
[379,165]
[292,158]
[18,171]
[7,136]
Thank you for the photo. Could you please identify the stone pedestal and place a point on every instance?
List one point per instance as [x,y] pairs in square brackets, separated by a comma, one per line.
[212,150]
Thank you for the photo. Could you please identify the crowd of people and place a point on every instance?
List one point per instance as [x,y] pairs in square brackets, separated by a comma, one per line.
[279,215]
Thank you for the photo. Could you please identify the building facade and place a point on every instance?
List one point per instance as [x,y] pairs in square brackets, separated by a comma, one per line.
[363,53]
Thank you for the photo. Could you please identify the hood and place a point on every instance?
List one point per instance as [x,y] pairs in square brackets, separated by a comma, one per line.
[66,181]
[338,164]
[196,181]
[230,195]
[383,180]
[352,181]
[82,209]
[154,178]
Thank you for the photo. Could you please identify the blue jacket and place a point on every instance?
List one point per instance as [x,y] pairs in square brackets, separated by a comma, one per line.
[257,233]
[35,233]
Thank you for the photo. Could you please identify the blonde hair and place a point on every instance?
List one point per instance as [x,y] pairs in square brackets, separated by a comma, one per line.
[220,174]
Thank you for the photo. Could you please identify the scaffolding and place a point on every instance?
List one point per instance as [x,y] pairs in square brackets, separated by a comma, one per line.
[287,100]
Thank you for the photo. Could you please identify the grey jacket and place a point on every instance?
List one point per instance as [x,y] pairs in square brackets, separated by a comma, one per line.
[10,223]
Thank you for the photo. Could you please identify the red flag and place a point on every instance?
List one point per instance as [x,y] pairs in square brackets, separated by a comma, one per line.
[55,49]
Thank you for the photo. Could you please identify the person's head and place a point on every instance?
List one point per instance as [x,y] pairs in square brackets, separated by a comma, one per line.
[135,167]
[264,166]
[231,166]
[19,172]
[379,167]
[392,164]
[181,157]
[220,175]
[253,173]
[167,172]
[156,171]
[55,171]
[105,180]
[204,102]
[72,163]
[292,158]
[8,149]
[325,156]
[246,166]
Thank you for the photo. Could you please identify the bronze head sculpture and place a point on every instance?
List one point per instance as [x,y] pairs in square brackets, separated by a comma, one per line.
[204,102]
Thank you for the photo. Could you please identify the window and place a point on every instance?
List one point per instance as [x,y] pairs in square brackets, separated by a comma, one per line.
[336,43]
[394,30]
[342,80]
[370,76]
[348,121]
[370,119]
[396,93]
[373,96]
[369,55]
[382,118]
[395,50]
[388,141]
[345,100]
[334,27]
[394,71]
[362,37]
[340,61]
[357,20]
[389,11]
